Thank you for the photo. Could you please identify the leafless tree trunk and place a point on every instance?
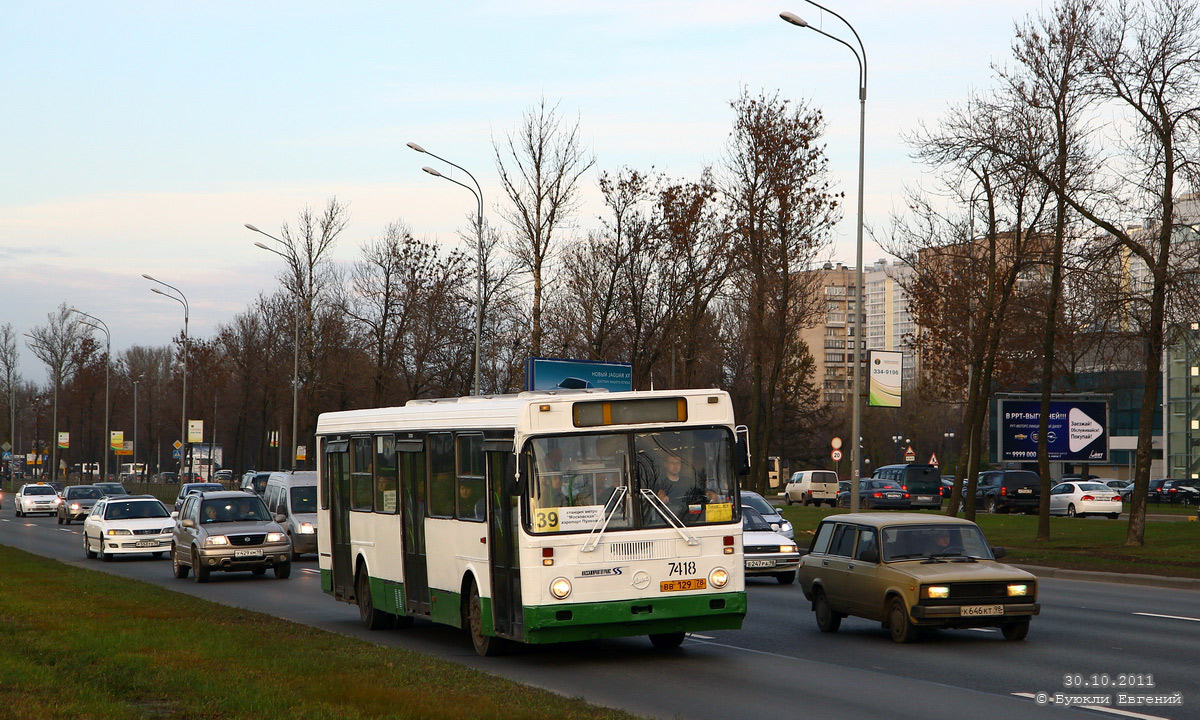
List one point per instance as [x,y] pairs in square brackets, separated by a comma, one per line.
[55,344]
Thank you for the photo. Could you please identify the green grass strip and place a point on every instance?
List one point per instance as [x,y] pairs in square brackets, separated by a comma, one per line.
[77,643]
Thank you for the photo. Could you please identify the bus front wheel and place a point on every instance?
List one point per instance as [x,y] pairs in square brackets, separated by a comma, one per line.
[485,645]
[372,617]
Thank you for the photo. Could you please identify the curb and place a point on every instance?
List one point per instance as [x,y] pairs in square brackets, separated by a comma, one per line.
[1162,581]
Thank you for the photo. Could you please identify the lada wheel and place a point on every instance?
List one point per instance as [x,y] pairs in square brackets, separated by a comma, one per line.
[827,620]
[87,549]
[181,570]
[199,572]
[1015,631]
[900,626]
[666,641]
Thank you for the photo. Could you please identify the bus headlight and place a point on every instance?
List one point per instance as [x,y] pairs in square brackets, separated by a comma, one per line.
[560,588]
[1015,590]
[307,529]
[718,577]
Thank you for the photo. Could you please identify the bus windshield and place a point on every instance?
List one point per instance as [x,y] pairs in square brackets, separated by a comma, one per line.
[636,479]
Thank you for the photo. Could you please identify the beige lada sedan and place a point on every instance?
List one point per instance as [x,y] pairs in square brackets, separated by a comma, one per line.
[912,571]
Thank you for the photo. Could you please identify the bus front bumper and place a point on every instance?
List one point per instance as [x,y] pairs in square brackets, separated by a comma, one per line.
[589,621]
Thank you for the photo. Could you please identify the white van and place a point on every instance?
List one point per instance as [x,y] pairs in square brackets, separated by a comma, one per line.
[812,487]
[294,495]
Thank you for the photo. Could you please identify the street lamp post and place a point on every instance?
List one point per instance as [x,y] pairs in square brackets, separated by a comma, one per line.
[136,469]
[54,431]
[478,193]
[861,56]
[106,444]
[295,359]
[182,300]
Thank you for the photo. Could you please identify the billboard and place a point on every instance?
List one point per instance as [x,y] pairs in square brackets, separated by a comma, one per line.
[116,440]
[883,389]
[557,374]
[1077,431]
[195,431]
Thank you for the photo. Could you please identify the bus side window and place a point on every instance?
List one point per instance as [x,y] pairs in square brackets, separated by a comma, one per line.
[441,475]
[362,486]
[469,488]
[386,475]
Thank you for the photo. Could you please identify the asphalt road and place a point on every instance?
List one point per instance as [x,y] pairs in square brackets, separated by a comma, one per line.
[779,665]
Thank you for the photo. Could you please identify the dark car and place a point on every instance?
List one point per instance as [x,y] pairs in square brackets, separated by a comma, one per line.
[166,477]
[228,531]
[111,489]
[923,483]
[878,495]
[1003,491]
[1178,492]
[189,488]
[78,501]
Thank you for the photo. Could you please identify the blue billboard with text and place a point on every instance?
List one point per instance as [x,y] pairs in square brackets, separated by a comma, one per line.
[1077,431]
[557,374]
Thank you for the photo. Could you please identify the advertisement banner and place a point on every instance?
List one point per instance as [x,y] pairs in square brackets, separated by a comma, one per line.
[126,448]
[301,452]
[1077,430]
[64,440]
[558,374]
[883,389]
[195,431]
[116,440]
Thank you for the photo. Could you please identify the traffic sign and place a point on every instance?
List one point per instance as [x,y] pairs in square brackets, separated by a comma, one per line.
[836,455]
[910,455]
[836,443]
[177,445]
[933,459]
[176,453]
[7,455]
[6,446]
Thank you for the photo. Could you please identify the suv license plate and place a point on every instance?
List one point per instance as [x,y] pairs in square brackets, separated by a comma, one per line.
[678,585]
[1024,491]
[247,553]
[760,563]
[924,498]
[146,543]
[973,610]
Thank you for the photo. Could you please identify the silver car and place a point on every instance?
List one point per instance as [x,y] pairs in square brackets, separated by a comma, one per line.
[77,502]
[228,531]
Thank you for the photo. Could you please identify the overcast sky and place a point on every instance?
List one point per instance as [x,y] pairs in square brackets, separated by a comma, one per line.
[138,137]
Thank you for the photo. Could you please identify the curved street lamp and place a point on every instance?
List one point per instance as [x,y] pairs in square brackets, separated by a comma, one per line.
[182,300]
[478,193]
[102,326]
[861,56]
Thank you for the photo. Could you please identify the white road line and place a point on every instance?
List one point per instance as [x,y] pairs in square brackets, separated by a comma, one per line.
[987,630]
[702,637]
[30,525]
[1169,617]
[65,530]
[1101,708]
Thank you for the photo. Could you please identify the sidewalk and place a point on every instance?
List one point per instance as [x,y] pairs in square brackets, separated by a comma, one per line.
[1175,583]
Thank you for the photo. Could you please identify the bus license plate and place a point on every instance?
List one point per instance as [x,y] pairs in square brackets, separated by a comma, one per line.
[146,543]
[760,563]
[680,585]
[247,553]
[973,610]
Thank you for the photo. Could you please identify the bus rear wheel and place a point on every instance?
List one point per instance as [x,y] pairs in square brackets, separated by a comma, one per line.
[666,641]
[485,645]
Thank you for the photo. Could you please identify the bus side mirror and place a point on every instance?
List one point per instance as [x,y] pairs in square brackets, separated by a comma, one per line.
[741,450]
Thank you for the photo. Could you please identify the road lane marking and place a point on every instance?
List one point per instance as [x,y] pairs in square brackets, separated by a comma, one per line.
[65,530]
[702,637]
[30,525]
[1169,617]
[1101,708]
[987,630]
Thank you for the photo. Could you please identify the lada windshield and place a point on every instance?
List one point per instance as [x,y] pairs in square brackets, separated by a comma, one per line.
[934,542]
[236,509]
[578,482]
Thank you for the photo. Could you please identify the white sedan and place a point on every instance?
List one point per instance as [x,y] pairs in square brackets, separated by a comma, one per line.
[36,498]
[123,524]
[1077,499]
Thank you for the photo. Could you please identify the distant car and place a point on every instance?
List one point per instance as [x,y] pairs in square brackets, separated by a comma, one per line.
[767,552]
[110,489]
[1122,487]
[228,531]
[189,488]
[223,476]
[913,570]
[1002,491]
[769,512]
[294,496]
[922,482]
[812,487]
[255,482]
[121,525]
[77,502]
[58,487]
[36,498]
[1183,492]
[1080,499]
[166,477]
[877,495]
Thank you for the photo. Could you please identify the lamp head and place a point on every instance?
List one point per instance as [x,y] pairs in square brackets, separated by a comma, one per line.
[148,277]
[416,147]
[251,227]
[264,247]
[431,171]
[793,18]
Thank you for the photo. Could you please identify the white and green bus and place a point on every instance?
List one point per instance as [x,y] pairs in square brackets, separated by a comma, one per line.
[540,517]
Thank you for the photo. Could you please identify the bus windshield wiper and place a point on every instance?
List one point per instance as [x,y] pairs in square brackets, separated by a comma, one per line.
[671,518]
[601,524]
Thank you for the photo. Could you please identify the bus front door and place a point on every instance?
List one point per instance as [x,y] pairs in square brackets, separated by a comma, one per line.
[412,482]
[504,501]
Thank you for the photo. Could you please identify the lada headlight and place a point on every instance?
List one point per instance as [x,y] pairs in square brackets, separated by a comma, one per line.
[937,591]
[718,577]
[118,531]
[560,588]
[216,540]
[1017,589]
[276,537]
[307,529]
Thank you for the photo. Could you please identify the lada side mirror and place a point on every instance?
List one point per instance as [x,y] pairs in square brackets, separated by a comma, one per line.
[999,552]
[189,523]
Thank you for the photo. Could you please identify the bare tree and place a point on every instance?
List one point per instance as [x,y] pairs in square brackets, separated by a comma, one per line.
[55,344]
[540,165]
[10,377]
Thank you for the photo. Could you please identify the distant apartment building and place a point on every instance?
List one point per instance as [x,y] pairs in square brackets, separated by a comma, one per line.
[887,324]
